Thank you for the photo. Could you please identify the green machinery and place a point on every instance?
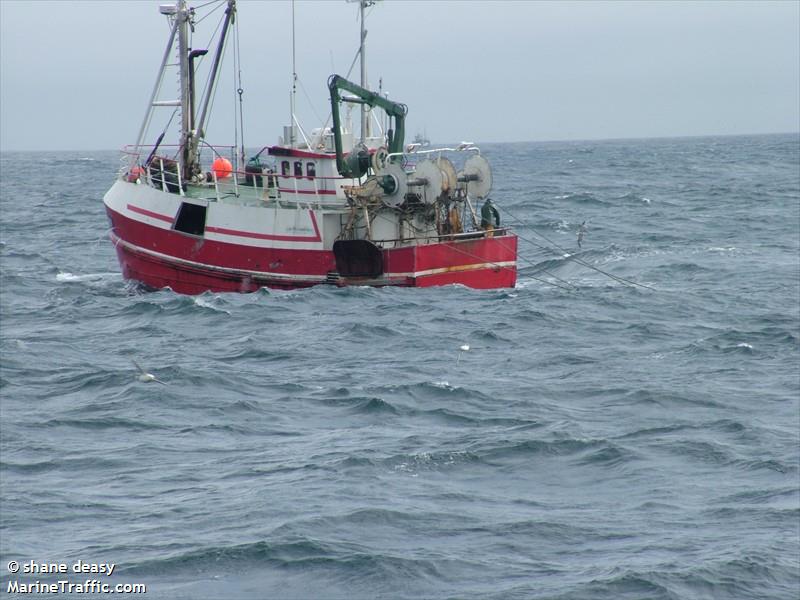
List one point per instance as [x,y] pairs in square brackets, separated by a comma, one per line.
[357,162]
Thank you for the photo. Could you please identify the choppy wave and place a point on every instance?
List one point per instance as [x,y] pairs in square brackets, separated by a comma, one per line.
[599,441]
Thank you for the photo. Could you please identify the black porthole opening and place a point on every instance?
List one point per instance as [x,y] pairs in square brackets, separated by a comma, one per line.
[191,219]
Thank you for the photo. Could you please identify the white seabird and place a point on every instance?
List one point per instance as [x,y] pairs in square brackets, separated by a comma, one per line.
[146,377]
[463,348]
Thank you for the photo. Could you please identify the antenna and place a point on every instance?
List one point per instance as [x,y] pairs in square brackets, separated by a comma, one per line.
[364,109]
[294,85]
[362,4]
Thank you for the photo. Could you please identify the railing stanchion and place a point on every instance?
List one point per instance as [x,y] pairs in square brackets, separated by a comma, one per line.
[180,183]
[163,177]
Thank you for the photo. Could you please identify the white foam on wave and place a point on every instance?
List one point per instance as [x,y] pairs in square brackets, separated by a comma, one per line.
[445,385]
[66,276]
[205,303]
[744,345]
[540,282]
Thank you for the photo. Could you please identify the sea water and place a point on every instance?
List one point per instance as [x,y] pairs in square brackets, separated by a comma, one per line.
[597,440]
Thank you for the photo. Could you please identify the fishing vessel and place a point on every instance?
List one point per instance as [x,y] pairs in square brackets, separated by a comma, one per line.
[422,139]
[324,207]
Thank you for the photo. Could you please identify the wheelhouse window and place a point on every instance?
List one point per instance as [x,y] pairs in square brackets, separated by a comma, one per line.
[311,170]
[298,169]
[285,168]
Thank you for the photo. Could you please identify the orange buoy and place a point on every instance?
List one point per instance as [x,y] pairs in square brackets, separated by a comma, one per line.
[135,173]
[222,167]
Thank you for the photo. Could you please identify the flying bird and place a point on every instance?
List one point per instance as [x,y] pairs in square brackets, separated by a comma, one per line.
[146,377]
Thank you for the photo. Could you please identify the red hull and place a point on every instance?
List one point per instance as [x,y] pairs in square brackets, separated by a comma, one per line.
[191,265]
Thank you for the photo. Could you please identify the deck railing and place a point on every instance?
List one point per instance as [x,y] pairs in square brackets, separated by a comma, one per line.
[169,174]
[165,173]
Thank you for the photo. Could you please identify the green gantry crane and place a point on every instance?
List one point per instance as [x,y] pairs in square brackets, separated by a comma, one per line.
[358,163]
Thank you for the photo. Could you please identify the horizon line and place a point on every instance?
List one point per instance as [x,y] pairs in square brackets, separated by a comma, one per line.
[538,141]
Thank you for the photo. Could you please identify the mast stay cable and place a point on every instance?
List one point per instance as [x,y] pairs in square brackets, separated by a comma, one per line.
[237,59]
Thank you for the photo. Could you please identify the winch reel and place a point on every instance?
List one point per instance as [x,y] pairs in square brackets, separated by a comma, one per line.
[476,177]
[393,180]
[429,178]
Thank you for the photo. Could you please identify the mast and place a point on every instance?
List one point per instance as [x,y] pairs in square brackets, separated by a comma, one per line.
[363,72]
[361,51]
[182,18]
[293,95]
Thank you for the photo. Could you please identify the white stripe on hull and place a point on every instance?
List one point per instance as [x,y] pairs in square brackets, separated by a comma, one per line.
[190,264]
[288,278]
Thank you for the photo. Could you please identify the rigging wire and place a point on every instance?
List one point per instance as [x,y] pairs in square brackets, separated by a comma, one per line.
[166,127]
[530,263]
[237,59]
[221,60]
[534,265]
[211,12]
[235,113]
[349,71]
[573,257]
[208,45]
[310,103]
[570,286]
[149,118]
[499,266]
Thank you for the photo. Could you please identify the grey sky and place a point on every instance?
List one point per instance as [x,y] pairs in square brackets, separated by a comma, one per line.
[77,75]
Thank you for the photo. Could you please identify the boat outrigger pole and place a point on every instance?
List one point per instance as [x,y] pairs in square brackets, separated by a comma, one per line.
[357,162]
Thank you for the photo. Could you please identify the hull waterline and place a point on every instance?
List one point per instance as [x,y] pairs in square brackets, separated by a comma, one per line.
[163,258]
